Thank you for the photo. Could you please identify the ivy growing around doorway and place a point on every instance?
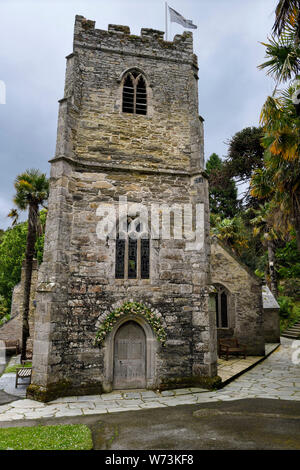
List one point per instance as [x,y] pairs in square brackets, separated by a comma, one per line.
[131,308]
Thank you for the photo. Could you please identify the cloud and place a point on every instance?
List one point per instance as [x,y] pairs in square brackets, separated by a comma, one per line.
[36,35]
[5,207]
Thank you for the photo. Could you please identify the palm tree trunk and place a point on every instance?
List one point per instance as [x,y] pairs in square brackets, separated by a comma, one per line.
[30,250]
[272,271]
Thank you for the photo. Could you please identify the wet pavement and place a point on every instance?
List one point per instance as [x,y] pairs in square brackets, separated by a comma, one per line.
[278,377]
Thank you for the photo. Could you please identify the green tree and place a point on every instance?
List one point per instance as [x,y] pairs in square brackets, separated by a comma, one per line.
[232,232]
[288,259]
[12,253]
[245,154]
[32,190]
[222,189]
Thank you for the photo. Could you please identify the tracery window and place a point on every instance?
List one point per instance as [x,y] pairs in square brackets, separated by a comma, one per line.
[221,298]
[132,251]
[134,93]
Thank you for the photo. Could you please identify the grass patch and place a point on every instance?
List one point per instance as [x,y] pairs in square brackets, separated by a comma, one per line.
[11,369]
[60,437]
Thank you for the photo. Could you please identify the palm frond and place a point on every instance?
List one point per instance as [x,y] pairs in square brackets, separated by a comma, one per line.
[287,12]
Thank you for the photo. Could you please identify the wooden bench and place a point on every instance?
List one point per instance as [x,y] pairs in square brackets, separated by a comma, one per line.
[231,346]
[12,346]
[23,373]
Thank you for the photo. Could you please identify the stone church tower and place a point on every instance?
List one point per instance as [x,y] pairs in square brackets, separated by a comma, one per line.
[129,138]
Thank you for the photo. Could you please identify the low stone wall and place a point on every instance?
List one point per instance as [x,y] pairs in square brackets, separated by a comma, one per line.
[271,326]
[271,316]
[17,300]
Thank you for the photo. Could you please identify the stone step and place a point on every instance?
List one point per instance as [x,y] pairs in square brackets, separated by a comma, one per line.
[291,336]
[292,332]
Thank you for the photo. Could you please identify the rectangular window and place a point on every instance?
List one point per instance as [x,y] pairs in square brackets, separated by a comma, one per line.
[120,258]
[145,258]
[224,319]
[132,258]
[217,309]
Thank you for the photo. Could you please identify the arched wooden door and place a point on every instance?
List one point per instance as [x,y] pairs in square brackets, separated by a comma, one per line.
[130,357]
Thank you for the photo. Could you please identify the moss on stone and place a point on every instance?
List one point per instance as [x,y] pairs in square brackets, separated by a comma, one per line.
[211,383]
[88,24]
[133,37]
[61,389]
[119,27]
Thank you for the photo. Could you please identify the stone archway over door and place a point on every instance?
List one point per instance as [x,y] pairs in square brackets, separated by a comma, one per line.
[130,357]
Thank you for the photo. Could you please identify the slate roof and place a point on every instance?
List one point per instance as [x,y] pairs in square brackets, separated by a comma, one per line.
[269,300]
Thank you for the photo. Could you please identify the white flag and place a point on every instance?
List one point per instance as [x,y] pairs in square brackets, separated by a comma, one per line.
[176,17]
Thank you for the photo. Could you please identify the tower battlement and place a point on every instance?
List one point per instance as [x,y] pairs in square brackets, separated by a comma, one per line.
[118,38]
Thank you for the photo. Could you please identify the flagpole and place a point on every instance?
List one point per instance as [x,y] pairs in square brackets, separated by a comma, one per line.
[166,18]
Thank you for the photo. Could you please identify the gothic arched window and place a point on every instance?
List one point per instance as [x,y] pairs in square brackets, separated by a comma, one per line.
[221,297]
[134,93]
[132,250]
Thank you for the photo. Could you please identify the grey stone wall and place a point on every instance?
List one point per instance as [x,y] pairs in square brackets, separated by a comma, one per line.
[271,316]
[271,325]
[245,311]
[102,154]
[17,300]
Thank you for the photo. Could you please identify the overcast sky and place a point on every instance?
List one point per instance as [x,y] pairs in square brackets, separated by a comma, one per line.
[36,35]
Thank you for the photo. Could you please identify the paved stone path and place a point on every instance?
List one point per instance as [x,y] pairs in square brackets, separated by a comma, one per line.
[237,365]
[8,381]
[276,377]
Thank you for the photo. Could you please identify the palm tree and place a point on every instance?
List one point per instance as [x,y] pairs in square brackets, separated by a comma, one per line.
[14,215]
[263,224]
[287,11]
[232,232]
[279,182]
[32,190]
[281,126]
[283,54]
[283,58]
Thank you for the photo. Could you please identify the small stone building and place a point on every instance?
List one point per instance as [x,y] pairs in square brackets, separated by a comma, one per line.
[271,316]
[238,299]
